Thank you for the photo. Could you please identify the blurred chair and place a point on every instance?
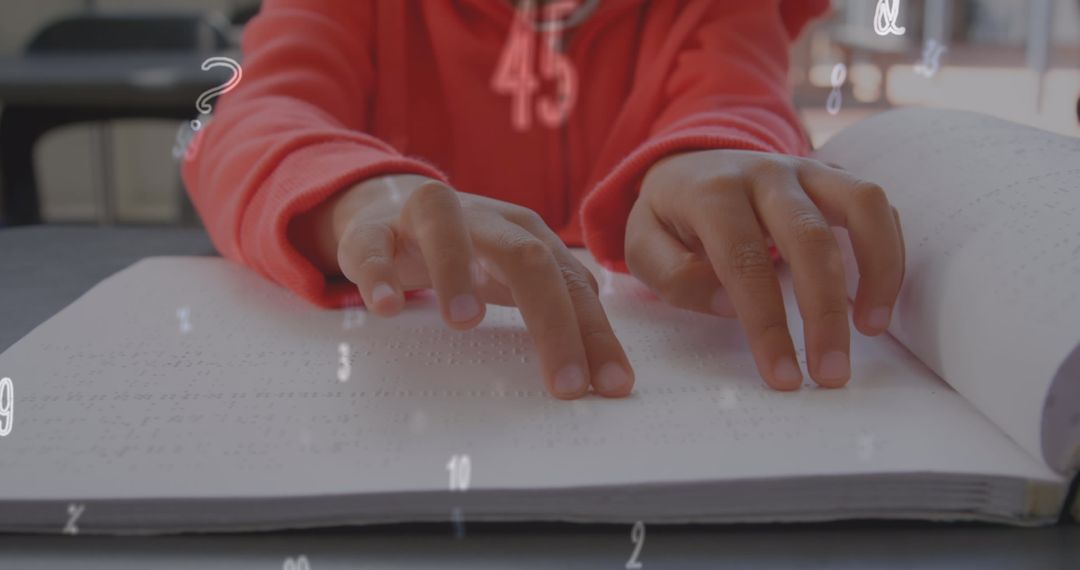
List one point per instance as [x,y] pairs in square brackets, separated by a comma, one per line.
[22,125]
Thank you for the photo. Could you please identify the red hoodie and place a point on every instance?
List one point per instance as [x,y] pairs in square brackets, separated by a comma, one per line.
[338,91]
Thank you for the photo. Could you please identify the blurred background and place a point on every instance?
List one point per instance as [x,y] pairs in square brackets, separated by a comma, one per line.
[93,93]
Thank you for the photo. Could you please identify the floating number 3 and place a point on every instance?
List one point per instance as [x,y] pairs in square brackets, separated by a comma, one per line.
[7,406]
[637,535]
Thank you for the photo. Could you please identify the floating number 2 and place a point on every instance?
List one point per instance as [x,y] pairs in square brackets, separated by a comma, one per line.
[637,535]
[460,468]
[74,512]
[7,405]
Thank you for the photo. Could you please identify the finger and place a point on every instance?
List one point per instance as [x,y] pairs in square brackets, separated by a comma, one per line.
[680,277]
[874,229]
[366,257]
[609,368]
[432,217]
[540,293]
[727,226]
[807,243]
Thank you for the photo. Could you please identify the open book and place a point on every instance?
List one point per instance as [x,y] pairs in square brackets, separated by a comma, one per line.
[190,394]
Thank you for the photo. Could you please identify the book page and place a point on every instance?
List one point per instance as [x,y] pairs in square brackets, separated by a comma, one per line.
[194,377]
[991,301]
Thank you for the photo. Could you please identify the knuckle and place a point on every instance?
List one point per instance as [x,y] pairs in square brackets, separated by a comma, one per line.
[771,326]
[433,196]
[373,261]
[526,218]
[810,227]
[576,283]
[750,260]
[774,167]
[671,285]
[834,311]
[529,252]
[869,196]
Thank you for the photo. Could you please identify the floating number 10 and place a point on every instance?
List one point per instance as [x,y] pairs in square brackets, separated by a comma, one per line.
[7,406]
[460,469]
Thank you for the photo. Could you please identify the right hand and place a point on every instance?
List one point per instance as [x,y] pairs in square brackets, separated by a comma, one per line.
[405,232]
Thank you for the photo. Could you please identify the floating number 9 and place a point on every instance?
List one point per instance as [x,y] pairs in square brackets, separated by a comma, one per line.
[637,535]
[7,406]
[460,468]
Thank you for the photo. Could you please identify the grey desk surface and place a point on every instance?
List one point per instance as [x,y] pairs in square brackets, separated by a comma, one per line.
[42,269]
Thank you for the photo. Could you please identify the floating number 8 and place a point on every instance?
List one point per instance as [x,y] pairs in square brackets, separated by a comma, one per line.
[7,405]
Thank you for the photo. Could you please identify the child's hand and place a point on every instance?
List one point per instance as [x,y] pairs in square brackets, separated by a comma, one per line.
[697,237]
[406,232]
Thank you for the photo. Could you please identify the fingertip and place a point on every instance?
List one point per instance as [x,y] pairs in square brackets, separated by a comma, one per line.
[613,381]
[569,383]
[833,370]
[786,375]
[464,312]
[386,300]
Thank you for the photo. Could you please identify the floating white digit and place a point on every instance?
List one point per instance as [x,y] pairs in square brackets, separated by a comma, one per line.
[637,535]
[7,405]
[931,58]
[74,512]
[459,522]
[184,314]
[300,563]
[460,468]
[885,15]
[836,98]
[344,367]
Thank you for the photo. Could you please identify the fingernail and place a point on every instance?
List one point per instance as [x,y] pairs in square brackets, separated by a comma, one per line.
[721,304]
[381,292]
[464,308]
[570,380]
[787,373]
[612,378]
[834,366]
[879,318]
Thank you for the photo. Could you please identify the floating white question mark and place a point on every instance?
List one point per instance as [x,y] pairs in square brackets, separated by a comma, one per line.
[839,75]
[202,104]
[187,141]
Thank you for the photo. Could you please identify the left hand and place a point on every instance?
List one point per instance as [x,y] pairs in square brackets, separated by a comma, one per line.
[697,237]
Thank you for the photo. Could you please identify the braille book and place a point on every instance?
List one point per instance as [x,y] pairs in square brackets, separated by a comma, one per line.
[189,394]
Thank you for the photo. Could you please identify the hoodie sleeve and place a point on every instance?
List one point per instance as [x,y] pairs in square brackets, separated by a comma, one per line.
[726,89]
[290,135]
